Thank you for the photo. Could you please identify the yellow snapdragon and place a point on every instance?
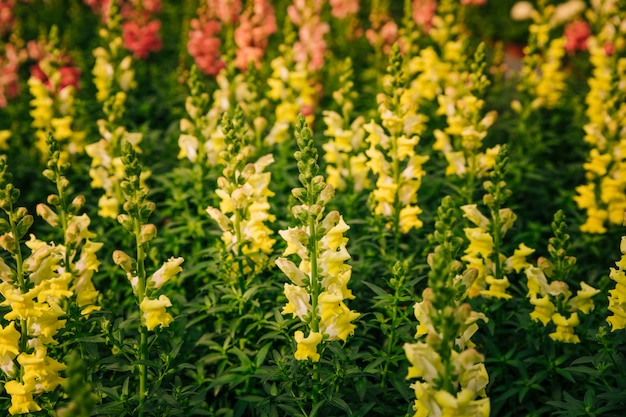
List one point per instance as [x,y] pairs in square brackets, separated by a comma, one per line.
[244,191]
[114,79]
[392,155]
[319,284]
[603,196]
[451,378]
[617,295]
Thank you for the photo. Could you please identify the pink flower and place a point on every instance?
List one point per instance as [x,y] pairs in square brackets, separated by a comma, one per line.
[343,8]
[142,39]
[251,37]
[6,16]
[226,11]
[423,13]
[576,34]
[70,75]
[204,46]
[311,45]
[9,79]
[609,48]
[98,7]
[473,2]
[383,33]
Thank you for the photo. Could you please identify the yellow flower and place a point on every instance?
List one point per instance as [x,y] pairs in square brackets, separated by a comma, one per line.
[46,324]
[154,313]
[169,269]
[41,371]
[517,262]
[497,287]
[336,319]
[425,361]
[4,139]
[480,242]
[299,301]
[565,328]
[582,301]
[296,238]
[9,341]
[307,347]
[21,398]
[544,309]
[108,207]
[292,271]
[409,219]
[188,147]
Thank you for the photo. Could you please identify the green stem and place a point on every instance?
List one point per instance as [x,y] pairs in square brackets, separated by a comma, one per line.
[497,241]
[391,339]
[141,294]
[315,292]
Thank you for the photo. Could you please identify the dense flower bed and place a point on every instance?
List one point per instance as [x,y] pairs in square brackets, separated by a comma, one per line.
[311,208]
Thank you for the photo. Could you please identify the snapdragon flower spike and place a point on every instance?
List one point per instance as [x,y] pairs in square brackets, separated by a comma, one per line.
[617,296]
[451,376]
[78,251]
[603,196]
[244,191]
[485,239]
[138,209]
[392,154]
[53,84]
[32,288]
[542,80]
[319,284]
[461,142]
[114,78]
[549,292]
[344,150]
[290,90]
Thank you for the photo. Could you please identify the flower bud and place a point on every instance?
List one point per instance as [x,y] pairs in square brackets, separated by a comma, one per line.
[45,212]
[127,263]
[148,232]
[78,203]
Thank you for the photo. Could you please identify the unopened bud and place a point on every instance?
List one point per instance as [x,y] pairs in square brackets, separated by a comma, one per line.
[124,261]
[45,212]
[148,232]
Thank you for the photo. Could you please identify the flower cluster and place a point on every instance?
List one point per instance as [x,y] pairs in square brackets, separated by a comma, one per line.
[138,209]
[78,252]
[603,197]
[319,284]
[451,375]
[461,141]
[33,290]
[542,80]
[311,46]
[486,238]
[256,25]
[617,296]
[553,299]
[140,31]
[244,191]
[53,84]
[291,90]
[215,18]
[11,56]
[342,9]
[392,154]
[114,77]
[383,31]
[152,303]
[344,156]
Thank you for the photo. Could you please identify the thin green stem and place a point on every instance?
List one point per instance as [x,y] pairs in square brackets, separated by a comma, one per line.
[141,293]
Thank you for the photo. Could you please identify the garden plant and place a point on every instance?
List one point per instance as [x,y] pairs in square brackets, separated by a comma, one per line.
[312,208]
